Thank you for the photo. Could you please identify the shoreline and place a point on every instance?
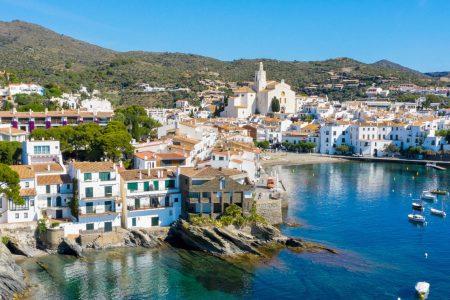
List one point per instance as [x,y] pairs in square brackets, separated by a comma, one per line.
[292,158]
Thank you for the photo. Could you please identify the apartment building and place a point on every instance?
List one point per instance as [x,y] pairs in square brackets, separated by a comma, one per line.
[210,191]
[150,197]
[96,189]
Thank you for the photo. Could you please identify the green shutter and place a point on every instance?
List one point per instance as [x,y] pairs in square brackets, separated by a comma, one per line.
[87,176]
[156,184]
[146,186]
[132,186]
[104,176]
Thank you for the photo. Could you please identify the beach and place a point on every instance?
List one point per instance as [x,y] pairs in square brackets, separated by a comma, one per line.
[290,158]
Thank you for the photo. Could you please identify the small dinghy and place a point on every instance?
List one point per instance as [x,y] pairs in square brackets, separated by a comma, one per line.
[417,206]
[416,218]
[438,212]
[427,195]
[422,289]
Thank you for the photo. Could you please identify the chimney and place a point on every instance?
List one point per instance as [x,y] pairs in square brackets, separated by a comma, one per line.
[140,175]
[145,157]
[48,167]
[148,172]
[46,110]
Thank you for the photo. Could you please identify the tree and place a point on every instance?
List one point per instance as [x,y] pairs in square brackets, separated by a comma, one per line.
[444,133]
[52,90]
[135,118]
[10,152]
[391,149]
[9,184]
[343,149]
[275,104]
[263,144]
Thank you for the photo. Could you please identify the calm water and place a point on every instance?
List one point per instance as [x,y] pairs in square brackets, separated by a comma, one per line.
[359,208]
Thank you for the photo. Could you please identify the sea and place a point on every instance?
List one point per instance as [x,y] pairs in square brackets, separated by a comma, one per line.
[358,208]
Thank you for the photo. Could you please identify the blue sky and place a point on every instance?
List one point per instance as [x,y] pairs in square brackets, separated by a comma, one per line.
[414,33]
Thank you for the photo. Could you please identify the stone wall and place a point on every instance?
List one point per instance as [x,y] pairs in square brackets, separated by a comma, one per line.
[270,210]
[114,238]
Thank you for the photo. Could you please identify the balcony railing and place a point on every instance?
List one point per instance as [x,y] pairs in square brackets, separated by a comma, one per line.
[146,206]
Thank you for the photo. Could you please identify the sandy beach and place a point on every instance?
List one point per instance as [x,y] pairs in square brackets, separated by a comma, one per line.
[290,158]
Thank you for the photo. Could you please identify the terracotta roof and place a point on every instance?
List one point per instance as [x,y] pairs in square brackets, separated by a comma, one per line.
[244,89]
[171,156]
[27,192]
[24,171]
[148,155]
[185,139]
[132,175]
[53,179]
[99,166]
[56,113]
[209,172]
[12,131]
[47,168]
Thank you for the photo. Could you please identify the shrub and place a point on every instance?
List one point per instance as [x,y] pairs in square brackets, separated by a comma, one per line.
[54,224]
[42,227]
[5,240]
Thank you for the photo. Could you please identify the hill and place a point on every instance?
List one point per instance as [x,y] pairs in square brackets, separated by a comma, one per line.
[35,53]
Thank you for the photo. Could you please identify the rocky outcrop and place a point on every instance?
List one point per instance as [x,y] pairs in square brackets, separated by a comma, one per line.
[140,237]
[19,248]
[230,241]
[69,247]
[11,275]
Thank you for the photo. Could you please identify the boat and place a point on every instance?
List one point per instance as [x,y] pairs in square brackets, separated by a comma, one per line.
[422,289]
[433,165]
[417,206]
[416,218]
[427,195]
[438,212]
[439,192]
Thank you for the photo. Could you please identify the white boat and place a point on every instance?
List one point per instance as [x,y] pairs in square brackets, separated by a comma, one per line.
[422,289]
[427,195]
[438,212]
[433,165]
[417,206]
[416,218]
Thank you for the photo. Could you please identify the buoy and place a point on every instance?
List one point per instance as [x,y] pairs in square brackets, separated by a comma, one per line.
[426,255]
[407,168]
[392,190]
[417,174]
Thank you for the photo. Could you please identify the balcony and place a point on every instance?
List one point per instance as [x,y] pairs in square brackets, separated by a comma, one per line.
[145,207]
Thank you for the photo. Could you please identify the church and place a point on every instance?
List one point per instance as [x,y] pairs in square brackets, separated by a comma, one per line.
[257,98]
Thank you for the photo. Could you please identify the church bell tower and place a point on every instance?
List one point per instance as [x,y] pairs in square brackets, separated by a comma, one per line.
[260,78]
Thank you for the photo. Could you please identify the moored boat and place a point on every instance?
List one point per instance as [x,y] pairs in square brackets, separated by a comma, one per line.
[416,218]
[439,192]
[427,195]
[417,206]
[422,289]
[438,212]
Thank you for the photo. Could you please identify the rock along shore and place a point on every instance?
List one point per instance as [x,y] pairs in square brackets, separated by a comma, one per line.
[231,241]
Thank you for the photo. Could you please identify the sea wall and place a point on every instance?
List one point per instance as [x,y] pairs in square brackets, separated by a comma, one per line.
[270,209]
[114,238]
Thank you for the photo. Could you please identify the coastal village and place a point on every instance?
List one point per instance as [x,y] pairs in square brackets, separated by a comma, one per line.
[199,162]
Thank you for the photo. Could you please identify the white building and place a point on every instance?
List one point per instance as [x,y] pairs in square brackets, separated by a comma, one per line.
[258,98]
[149,197]
[96,105]
[98,196]
[41,152]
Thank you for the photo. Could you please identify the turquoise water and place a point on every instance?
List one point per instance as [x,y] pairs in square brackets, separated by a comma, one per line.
[358,208]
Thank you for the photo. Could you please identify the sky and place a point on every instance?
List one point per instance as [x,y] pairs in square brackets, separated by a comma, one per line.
[413,33]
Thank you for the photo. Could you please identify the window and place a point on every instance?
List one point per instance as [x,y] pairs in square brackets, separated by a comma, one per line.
[221,158]
[17,216]
[205,195]
[105,176]
[49,202]
[132,186]
[68,186]
[87,176]
[90,226]
[108,190]
[155,221]
[89,191]
[170,183]
[27,184]
[133,222]
[156,184]
[25,215]
[222,183]
[47,189]
[41,149]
